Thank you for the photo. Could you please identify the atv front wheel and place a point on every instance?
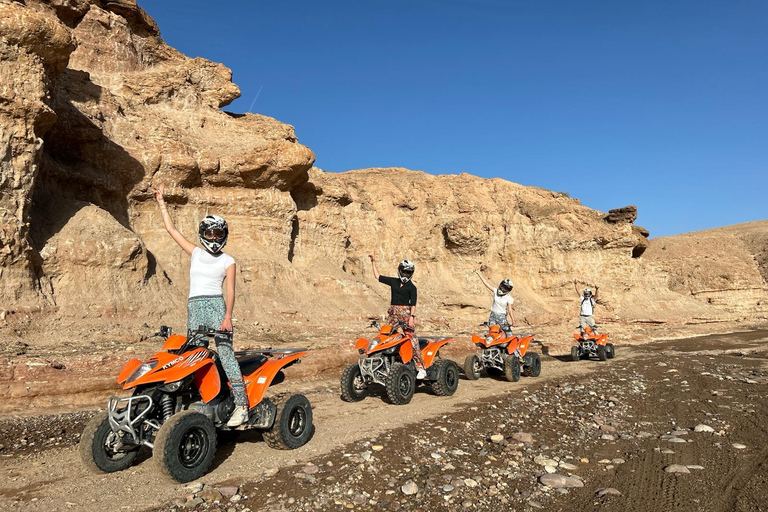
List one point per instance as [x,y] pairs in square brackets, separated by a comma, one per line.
[293,423]
[185,446]
[575,356]
[611,351]
[531,364]
[472,367]
[602,353]
[512,368]
[400,384]
[447,378]
[96,447]
[353,388]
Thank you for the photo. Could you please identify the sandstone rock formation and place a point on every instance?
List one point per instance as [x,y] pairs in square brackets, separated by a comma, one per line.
[95,108]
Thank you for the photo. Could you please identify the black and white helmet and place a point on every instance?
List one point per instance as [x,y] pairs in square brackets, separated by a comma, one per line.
[587,292]
[505,287]
[213,233]
[405,270]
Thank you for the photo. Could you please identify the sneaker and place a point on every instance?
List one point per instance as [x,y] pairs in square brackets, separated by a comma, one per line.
[421,374]
[239,416]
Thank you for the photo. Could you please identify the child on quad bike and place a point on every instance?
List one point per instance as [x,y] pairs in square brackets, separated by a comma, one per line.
[501,309]
[402,304]
[587,308]
[206,306]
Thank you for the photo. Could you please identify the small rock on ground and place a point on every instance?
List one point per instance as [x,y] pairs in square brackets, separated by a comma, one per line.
[560,481]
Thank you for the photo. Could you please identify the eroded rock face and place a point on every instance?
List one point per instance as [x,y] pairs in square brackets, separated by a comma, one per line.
[95,108]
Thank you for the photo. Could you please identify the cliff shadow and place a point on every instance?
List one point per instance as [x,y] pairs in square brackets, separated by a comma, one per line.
[80,165]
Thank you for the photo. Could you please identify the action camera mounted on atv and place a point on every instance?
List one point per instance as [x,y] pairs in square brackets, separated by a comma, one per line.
[180,396]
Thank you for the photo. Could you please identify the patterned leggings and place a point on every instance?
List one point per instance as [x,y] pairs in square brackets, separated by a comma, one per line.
[501,321]
[209,310]
[397,314]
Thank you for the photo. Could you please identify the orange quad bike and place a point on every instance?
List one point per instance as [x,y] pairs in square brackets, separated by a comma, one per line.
[592,344]
[180,399]
[500,354]
[387,360]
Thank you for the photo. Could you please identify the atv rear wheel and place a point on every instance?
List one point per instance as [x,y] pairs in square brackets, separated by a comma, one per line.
[96,444]
[400,384]
[531,364]
[611,351]
[472,367]
[575,356]
[185,446]
[293,423]
[353,388]
[512,368]
[447,378]
[602,353]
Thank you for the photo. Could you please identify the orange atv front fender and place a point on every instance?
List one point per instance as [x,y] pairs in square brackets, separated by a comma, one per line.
[127,370]
[406,352]
[208,381]
[361,344]
[478,340]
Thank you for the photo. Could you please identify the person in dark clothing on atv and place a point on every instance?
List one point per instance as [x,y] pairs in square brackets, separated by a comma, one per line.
[402,304]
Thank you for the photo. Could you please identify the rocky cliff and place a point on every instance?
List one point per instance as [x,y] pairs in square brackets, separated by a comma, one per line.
[95,107]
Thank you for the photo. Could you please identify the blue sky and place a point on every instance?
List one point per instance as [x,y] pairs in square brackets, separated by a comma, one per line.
[662,104]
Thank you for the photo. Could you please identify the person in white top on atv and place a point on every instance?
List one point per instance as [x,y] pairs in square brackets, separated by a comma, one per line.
[206,306]
[501,309]
[587,308]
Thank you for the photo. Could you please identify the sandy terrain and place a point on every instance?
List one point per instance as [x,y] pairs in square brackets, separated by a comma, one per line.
[643,398]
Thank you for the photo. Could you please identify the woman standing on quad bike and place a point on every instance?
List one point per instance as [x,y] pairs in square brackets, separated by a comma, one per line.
[501,309]
[402,304]
[208,270]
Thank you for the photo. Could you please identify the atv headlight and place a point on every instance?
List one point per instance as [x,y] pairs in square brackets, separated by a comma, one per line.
[488,339]
[173,387]
[372,345]
[142,370]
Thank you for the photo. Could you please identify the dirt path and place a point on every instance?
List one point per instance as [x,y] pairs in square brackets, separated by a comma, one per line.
[564,410]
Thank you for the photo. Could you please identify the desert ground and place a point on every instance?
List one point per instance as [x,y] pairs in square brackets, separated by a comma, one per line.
[667,424]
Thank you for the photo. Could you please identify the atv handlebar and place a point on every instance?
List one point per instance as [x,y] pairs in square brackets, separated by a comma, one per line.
[207,331]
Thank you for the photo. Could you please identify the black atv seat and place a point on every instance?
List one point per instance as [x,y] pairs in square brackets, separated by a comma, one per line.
[250,363]
[423,342]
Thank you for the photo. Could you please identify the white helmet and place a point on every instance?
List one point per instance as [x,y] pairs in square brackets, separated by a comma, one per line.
[405,270]
[504,287]
[587,292]
[213,232]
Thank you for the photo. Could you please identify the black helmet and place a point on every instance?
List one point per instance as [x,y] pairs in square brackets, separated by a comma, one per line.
[505,287]
[405,270]
[213,233]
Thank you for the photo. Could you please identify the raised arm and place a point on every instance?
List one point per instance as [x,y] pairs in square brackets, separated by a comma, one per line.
[597,289]
[169,227]
[373,264]
[487,285]
[576,287]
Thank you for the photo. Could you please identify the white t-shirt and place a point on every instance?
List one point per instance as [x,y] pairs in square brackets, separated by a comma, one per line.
[207,272]
[500,303]
[587,306]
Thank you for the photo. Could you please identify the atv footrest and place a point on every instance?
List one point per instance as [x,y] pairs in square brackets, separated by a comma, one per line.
[263,415]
